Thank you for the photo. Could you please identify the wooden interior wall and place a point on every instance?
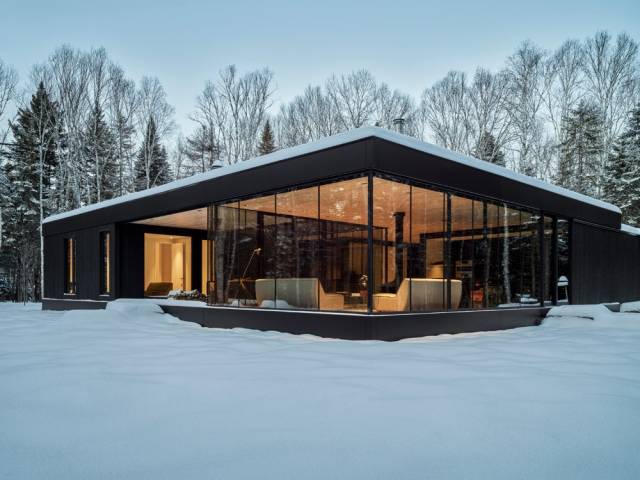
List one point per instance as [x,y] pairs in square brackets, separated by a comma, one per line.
[130,240]
[605,265]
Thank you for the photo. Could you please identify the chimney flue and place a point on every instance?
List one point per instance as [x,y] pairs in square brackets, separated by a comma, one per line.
[398,124]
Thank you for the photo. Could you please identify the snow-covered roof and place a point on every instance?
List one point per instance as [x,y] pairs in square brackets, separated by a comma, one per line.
[334,141]
[629,229]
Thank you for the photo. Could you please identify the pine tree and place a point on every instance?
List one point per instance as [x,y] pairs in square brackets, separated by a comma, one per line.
[267,144]
[581,150]
[152,166]
[488,150]
[621,184]
[99,143]
[29,170]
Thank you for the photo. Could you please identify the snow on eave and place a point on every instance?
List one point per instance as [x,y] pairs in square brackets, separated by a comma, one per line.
[334,141]
[629,229]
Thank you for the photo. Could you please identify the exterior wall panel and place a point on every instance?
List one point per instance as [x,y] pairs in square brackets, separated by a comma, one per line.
[605,265]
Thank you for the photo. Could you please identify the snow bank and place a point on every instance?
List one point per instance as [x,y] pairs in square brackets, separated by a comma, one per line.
[630,307]
[122,310]
[149,399]
[590,312]
[134,308]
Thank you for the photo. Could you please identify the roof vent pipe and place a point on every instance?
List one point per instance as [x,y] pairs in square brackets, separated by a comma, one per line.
[398,124]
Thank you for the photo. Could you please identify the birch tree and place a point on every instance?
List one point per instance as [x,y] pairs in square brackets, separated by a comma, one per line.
[611,78]
[524,71]
[122,110]
[8,92]
[234,108]
[154,117]
[446,109]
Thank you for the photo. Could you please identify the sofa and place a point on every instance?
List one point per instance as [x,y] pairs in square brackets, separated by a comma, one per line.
[426,294]
[158,289]
[297,293]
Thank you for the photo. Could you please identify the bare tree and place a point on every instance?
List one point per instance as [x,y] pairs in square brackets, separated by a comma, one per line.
[67,77]
[8,92]
[446,109]
[564,77]
[307,117]
[611,78]
[153,109]
[122,110]
[525,69]
[234,108]
[355,97]
[488,96]
[393,105]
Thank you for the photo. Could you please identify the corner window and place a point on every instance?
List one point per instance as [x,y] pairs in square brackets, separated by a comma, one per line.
[105,263]
[70,286]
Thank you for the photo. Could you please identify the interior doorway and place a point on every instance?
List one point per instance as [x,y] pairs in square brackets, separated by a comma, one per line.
[167,263]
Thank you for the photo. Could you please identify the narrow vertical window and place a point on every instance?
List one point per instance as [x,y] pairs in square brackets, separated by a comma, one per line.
[70,286]
[105,263]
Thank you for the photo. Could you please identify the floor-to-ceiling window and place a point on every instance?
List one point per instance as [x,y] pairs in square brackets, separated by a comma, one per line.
[391,285]
[427,249]
[343,236]
[302,248]
[431,250]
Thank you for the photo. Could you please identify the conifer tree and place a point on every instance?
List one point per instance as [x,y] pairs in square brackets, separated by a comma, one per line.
[488,150]
[267,144]
[202,151]
[622,176]
[152,166]
[99,151]
[580,152]
[29,171]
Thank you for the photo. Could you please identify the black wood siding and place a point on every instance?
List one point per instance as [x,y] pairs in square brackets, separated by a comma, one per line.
[87,263]
[605,265]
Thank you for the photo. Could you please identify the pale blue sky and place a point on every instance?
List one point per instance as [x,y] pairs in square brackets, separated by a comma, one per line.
[408,44]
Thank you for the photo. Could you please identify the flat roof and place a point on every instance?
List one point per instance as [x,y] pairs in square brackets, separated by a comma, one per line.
[334,141]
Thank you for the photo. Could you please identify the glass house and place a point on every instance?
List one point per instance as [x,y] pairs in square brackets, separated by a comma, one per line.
[367,234]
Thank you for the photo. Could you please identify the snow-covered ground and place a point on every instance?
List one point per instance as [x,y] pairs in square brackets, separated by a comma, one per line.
[141,395]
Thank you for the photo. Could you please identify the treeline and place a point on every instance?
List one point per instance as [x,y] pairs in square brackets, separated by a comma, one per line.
[84,132]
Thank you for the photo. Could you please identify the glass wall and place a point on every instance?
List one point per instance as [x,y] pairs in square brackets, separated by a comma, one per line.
[427,249]
[303,248]
[431,250]
[391,217]
[343,237]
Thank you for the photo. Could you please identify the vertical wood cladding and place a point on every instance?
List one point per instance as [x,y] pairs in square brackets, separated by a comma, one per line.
[605,265]
[87,263]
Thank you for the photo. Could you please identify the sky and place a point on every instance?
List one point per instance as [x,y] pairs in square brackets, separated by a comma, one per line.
[408,44]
